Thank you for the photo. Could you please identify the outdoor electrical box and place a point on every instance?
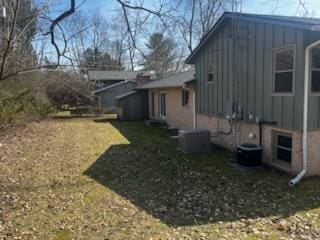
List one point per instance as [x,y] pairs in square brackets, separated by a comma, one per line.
[194,141]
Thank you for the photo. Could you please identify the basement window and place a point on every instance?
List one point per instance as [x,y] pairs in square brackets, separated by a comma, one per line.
[210,73]
[315,71]
[283,147]
[185,97]
[283,70]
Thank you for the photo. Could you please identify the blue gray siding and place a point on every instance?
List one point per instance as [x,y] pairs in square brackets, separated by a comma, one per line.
[244,70]
[108,97]
[133,106]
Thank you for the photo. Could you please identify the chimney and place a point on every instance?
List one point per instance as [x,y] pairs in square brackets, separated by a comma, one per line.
[142,78]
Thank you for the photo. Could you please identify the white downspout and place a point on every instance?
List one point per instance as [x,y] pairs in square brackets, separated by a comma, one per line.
[194,110]
[305,115]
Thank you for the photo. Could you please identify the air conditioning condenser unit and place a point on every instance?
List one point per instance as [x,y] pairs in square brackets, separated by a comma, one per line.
[194,141]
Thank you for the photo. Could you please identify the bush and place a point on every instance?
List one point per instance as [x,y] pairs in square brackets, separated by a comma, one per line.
[20,107]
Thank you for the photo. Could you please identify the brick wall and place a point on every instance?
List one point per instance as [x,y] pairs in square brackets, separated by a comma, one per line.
[241,135]
[178,116]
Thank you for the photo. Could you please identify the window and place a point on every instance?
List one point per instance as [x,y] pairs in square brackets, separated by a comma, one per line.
[283,70]
[210,73]
[163,112]
[315,71]
[185,97]
[283,147]
[153,95]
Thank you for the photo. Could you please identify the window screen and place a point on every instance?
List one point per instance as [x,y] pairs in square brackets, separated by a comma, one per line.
[315,71]
[283,70]
[283,147]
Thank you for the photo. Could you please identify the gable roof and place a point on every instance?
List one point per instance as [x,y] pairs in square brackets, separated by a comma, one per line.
[113,85]
[112,75]
[312,24]
[174,80]
[126,94]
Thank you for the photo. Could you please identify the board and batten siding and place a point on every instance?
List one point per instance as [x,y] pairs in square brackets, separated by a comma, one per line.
[243,69]
[108,96]
[314,99]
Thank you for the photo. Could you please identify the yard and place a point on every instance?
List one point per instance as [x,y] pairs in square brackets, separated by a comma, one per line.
[85,179]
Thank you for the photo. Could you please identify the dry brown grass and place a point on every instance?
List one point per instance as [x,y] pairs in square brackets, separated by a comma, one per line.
[80,179]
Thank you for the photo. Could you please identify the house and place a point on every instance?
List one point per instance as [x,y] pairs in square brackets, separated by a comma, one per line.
[172,99]
[262,74]
[111,84]
[106,96]
[106,78]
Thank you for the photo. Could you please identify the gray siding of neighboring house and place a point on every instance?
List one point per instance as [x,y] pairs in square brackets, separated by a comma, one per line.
[251,53]
[134,106]
[108,97]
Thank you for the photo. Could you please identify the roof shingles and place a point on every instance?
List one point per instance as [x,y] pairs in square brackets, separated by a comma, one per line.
[174,80]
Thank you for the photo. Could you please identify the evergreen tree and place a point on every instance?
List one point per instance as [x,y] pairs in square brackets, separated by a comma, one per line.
[98,60]
[161,54]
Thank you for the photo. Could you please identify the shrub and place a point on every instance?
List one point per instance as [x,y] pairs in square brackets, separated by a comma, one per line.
[16,108]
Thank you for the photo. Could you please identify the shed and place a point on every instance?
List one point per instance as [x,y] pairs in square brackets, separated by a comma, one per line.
[107,95]
[133,105]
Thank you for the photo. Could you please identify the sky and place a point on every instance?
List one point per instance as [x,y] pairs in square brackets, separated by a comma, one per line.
[279,7]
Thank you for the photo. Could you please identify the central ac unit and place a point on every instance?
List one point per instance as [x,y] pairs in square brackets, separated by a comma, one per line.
[193,141]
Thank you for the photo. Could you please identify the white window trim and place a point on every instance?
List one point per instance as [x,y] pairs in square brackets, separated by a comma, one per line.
[210,65]
[276,134]
[160,104]
[279,49]
[315,94]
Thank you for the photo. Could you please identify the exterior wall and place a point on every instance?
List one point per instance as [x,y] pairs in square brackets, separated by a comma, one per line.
[178,116]
[314,99]
[241,135]
[134,106]
[243,72]
[108,97]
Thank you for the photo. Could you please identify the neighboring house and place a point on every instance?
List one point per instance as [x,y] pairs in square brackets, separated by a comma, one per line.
[111,84]
[106,78]
[106,97]
[252,68]
[172,99]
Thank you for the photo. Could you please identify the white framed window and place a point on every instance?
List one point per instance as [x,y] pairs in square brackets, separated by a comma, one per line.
[283,147]
[283,70]
[185,97]
[315,71]
[163,110]
[210,76]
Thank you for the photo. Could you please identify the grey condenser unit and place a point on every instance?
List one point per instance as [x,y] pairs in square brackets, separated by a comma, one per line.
[193,141]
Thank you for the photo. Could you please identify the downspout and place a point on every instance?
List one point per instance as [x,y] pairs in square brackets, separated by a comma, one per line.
[305,115]
[194,110]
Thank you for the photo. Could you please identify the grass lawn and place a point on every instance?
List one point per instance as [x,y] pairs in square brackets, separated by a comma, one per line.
[85,179]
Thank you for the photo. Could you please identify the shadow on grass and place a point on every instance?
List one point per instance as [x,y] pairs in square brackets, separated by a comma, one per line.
[184,190]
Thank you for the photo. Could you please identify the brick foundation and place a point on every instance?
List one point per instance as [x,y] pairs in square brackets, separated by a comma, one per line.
[241,133]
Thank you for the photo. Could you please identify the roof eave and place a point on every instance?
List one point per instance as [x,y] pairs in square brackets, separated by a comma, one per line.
[112,86]
[164,86]
[190,58]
